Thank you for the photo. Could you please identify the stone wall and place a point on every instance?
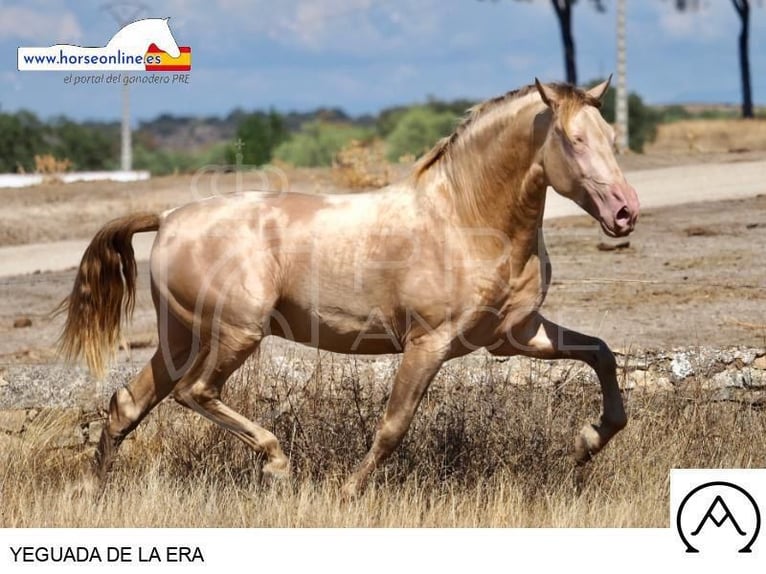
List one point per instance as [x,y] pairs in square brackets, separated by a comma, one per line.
[728,374]
[60,427]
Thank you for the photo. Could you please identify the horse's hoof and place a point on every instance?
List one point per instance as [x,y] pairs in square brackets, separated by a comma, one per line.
[350,491]
[88,487]
[277,470]
[587,443]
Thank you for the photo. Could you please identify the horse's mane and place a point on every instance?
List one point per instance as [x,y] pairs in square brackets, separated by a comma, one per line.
[572,99]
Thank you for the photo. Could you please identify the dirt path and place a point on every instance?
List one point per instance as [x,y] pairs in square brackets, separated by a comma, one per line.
[657,187]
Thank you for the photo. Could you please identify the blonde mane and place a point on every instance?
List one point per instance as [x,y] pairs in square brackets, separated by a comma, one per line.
[572,100]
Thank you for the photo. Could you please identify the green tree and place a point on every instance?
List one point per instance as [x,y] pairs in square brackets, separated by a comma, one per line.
[417,130]
[87,147]
[318,142]
[259,134]
[22,135]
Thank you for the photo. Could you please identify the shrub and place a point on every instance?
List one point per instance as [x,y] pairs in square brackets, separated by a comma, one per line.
[48,164]
[361,165]
[417,130]
[318,142]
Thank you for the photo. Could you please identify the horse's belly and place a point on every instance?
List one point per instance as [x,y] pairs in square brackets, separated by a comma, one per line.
[334,330]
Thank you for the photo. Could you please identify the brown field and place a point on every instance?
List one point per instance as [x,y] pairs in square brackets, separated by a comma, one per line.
[710,136]
[486,448]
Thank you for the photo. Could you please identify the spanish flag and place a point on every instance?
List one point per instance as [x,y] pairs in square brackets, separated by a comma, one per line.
[169,64]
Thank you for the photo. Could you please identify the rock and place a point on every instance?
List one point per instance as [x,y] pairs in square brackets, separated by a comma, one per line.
[760,363]
[747,356]
[12,421]
[68,438]
[22,322]
[725,380]
[94,431]
[10,443]
[681,367]
[746,377]
[663,383]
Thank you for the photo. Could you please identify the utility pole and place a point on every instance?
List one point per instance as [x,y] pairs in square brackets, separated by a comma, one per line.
[621,107]
[125,13]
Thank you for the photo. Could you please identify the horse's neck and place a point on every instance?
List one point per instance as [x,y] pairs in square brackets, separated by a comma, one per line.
[496,174]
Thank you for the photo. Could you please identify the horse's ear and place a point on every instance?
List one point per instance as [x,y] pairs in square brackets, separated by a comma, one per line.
[598,92]
[548,94]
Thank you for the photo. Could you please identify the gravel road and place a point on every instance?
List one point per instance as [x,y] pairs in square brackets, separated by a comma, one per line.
[656,188]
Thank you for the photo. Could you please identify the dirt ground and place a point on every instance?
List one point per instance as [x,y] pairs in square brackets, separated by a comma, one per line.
[692,275]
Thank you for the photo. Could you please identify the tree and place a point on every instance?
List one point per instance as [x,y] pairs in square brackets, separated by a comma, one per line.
[563,10]
[743,11]
[22,135]
[259,134]
[86,146]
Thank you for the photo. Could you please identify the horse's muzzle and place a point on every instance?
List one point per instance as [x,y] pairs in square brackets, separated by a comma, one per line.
[620,212]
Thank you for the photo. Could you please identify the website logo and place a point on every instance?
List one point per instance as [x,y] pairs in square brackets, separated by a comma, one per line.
[145,45]
[717,516]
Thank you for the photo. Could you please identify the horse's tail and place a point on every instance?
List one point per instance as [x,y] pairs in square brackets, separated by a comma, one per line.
[104,289]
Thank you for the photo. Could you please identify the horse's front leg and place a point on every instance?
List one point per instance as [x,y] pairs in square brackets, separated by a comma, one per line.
[419,366]
[540,338]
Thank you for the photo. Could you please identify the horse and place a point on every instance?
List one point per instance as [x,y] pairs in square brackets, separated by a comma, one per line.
[448,260]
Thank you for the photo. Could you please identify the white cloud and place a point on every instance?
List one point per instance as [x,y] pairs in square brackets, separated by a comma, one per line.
[713,20]
[342,25]
[43,26]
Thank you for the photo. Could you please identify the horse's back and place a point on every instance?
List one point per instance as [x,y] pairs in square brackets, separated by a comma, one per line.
[327,267]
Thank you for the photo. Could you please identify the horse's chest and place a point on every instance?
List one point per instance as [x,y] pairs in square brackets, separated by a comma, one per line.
[527,287]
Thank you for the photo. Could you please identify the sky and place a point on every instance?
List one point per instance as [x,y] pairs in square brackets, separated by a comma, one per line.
[365,55]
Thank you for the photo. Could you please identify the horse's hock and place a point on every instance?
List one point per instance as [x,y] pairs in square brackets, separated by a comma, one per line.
[736,374]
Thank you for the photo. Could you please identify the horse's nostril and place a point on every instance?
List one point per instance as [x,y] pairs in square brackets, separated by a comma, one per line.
[623,214]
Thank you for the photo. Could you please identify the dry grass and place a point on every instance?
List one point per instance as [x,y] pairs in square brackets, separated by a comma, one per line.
[48,164]
[704,136]
[361,165]
[483,451]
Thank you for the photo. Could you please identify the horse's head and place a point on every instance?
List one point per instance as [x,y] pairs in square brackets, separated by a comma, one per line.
[163,38]
[140,34]
[578,157]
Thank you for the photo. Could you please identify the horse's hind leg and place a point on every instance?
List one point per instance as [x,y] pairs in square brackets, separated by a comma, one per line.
[128,406]
[131,403]
[200,390]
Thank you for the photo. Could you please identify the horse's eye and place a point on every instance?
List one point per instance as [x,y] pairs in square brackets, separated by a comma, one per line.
[579,140]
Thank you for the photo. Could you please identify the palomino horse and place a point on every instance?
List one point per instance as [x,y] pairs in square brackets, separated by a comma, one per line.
[449,260]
